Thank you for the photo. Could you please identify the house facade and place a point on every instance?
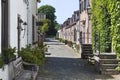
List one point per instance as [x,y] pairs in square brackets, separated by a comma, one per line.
[78,28]
[17,19]
[85,23]
[69,29]
[17,29]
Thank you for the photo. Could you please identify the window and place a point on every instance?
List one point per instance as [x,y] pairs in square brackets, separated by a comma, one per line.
[85,4]
[81,6]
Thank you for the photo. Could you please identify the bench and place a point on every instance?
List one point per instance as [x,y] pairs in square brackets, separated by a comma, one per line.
[24,71]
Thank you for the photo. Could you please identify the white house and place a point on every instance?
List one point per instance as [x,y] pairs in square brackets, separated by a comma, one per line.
[26,10]
[17,28]
[17,12]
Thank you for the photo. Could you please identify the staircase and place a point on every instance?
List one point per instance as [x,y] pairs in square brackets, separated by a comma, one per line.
[107,64]
[86,51]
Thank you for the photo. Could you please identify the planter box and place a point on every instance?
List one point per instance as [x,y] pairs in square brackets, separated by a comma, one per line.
[4,73]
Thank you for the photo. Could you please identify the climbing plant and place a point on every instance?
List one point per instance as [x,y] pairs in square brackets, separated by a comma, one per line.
[106,25]
[101,23]
[114,9]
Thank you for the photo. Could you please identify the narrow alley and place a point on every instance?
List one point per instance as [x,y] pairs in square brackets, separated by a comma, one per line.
[65,64]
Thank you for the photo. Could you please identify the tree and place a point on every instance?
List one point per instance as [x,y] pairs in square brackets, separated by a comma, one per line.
[46,23]
[44,27]
[50,14]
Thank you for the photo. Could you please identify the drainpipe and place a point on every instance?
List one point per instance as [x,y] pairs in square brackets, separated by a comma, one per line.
[27,19]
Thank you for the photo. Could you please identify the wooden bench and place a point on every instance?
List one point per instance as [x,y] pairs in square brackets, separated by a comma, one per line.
[24,71]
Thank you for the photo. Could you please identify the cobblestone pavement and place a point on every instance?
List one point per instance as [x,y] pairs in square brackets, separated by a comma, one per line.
[65,64]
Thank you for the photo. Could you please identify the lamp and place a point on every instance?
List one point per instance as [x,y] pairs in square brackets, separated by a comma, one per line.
[25,23]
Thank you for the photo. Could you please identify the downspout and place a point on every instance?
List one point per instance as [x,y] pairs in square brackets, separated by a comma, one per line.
[27,20]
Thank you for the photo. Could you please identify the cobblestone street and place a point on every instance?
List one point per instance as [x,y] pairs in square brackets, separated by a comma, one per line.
[63,63]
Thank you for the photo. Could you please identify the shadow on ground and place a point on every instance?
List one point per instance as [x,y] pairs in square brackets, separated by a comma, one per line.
[50,41]
[57,68]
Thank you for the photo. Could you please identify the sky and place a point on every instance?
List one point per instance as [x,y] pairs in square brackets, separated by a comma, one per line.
[64,8]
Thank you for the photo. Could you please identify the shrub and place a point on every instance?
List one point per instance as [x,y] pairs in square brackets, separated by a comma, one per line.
[1,62]
[9,54]
[60,39]
[70,43]
[66,42]
[33,55]
[63,41]
[77,46]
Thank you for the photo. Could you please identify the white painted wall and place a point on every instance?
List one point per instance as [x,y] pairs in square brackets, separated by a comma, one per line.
[0,26]
[4,73]
[17,7]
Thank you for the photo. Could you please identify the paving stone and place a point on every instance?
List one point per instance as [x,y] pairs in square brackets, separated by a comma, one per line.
[65,64]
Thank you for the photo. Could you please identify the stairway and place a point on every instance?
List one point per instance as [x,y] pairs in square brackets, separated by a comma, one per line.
[107,64]
[86,51]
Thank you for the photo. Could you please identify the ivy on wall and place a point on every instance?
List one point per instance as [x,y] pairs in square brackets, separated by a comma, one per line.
[106,25]
[114,9]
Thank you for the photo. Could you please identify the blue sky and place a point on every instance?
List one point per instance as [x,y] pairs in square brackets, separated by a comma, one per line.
[64,8]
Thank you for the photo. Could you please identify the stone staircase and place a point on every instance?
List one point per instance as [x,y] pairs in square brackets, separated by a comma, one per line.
[86,51]
[107,64]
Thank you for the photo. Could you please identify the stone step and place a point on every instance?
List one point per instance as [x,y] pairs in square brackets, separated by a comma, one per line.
[110,71]
[106,56]
[86,44]
[87,50]
[109,61]
[85,56]
[108,66]
[86,47]
[91,55]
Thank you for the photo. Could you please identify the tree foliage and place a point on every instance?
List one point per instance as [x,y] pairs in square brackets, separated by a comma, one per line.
[106,21]
[45,26]
[49,11]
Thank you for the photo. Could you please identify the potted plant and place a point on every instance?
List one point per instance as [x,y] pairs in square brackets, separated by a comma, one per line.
[9,54]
